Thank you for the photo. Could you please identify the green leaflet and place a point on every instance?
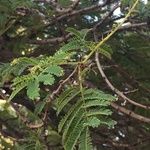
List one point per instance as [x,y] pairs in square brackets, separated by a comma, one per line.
[39,107]
[90,110]
[25,60]
[67,100]
[100,111]
[33,89]
[17,90]
[20,83]
[55,70]
[62,56]
[47,79]
[96,103]
[69,115]
[73,44]
[75,32]
[85,140]
[97,94]
[71,124]
[64,95]
[79,34]
[104,52]
[93,122]
[107,121]
[74,136]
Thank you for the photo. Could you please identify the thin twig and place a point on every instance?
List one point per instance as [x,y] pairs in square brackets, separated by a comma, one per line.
[99,23]
[55,92]
[130,78]
[119,93]
[62,83]
[76,12]
[113,31]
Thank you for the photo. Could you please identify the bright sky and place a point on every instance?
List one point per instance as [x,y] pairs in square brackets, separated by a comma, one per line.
[118,12]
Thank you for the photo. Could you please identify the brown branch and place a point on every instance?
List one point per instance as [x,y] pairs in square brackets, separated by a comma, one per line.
[66,37]
[105,18]
[132,26]
[58,8]
[76,12]
[119,93]
[131,91]
[75,4]
[130,113]
[52,40]
[128,27]
[122,109]
[69,9]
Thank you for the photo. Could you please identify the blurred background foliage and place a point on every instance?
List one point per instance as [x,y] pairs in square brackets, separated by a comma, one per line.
[26,29]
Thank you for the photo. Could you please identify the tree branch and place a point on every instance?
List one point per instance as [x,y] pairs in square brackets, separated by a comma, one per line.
[130,113]
[129,27]
[57,7]
[119,93]
[76,12]
[56,40]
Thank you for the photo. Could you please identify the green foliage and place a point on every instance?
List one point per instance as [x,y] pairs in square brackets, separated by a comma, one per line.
[105,50]
[142,9]
[39,107]
[83,46]
[84,113]
[8,12]
[46,69]
[4,106]
[63,115]
[31,73]
[85,140]
[79,34]
[40,70]
[34,142]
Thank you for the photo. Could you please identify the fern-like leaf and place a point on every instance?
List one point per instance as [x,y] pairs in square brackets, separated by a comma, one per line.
[79,34]
[33,89]
[88,111]
[43,69]
[69,115]
[73,44]
[96,103]
[100,111]
[20,83]
[55,70]
[47,79]
[92,122]
[104,52]
[75,32]
[66,97]
[77,117]
[85,140]
[74,136]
